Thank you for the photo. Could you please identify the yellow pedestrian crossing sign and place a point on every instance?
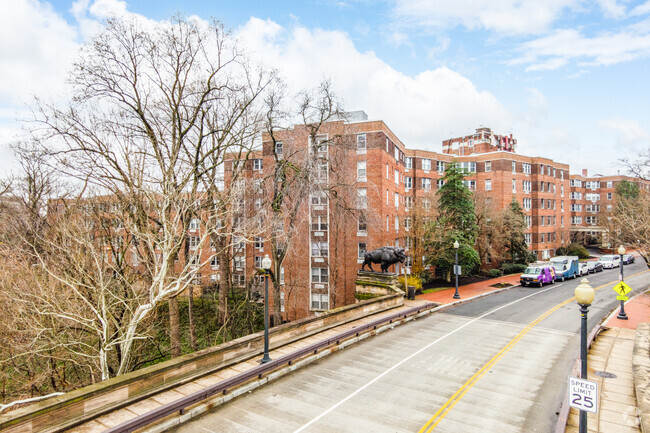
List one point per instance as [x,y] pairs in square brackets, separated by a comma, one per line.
[622,288]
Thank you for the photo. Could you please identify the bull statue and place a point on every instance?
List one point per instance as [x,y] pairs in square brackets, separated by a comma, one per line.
[384,255]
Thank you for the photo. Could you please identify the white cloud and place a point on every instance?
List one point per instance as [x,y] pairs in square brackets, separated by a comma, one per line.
[612,9]
[422,110]
[628,132]
[37,47]
[561,46]
[501,16]
[641,9]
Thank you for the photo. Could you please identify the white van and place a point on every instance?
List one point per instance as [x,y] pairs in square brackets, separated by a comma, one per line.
[610,261]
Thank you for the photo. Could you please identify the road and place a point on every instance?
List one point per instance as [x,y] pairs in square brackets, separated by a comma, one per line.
[498,364]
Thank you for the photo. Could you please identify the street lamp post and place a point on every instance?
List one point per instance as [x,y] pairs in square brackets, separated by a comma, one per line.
[456,245]
[266,265]
[621,314]
[584,294]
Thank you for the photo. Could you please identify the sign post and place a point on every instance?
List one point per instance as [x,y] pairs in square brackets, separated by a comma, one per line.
[583,394]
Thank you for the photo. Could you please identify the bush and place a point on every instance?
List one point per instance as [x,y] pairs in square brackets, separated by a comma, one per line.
[495,273]
[577,250]
[413,280]
[513,268]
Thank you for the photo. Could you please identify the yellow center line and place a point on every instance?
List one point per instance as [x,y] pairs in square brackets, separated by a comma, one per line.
[444,410]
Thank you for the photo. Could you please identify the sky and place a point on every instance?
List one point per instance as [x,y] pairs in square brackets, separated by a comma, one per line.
[570,79]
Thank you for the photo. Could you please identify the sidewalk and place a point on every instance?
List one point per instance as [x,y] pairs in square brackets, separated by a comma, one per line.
[446,296]
[611,352]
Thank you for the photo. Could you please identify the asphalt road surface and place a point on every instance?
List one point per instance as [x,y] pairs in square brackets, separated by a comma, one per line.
[498,364]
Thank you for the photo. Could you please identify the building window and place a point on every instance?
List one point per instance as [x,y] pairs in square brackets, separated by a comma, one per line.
[609,196]
[407,223]
[257,164]
[426,203]
[528,238]
[319,223]
[426,164]
[488,184]
[408,181]
[361,171]
[387,197]
[514,185]
[426,183]
[387,172]
[529,220]
[194,242]
[194,224]
[440,166]
[361,142]
[396,200]
[319,249]
[488,165]
[362,198]
[470,184]
[527,185]
[361,223]
[258,262]
[278,149]
[409,162]
[468,167]
[514,167]
[527,203]
[396,223]
[240,262]
[214,262]
[440,183]
[396,177]
[318,199]
[526,168]
[361,249]
[282,276]
[319,275]
[319,301]
[609,184]
[197,279]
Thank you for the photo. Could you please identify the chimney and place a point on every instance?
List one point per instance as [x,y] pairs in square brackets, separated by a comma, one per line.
[584,172]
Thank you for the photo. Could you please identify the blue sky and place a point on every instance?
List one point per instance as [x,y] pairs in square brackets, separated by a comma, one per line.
[568,78]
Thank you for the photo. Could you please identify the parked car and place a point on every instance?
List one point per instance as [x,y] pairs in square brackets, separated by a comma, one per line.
[538,275]
[566,267]
[610,261]
[584,268]
[627,259]
[594,266]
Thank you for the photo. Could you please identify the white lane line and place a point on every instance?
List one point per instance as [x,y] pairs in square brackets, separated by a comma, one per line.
[417,353]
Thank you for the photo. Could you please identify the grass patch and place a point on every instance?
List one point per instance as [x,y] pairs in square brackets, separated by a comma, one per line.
[436,289]
[501,285]
[365,296]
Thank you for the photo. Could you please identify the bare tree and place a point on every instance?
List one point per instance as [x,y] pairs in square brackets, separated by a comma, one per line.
[639,166]
[156,111]
[299,171]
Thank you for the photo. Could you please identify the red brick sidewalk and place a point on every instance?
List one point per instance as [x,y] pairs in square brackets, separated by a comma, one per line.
[469,290]
[637,310]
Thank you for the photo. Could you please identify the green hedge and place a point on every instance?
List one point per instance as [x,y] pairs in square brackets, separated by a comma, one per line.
[513,268]
[495,273]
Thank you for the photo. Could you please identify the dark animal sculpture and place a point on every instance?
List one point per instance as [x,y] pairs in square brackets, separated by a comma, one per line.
[384,255]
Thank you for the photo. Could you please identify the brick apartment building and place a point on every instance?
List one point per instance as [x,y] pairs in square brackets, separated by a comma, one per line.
[386,182]
[592,197]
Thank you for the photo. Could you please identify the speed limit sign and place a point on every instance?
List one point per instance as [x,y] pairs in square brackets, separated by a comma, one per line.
[583,394]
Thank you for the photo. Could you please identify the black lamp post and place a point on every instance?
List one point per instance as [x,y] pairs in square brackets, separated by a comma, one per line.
[584,294]
[621,314]
[266,265]
[456,245]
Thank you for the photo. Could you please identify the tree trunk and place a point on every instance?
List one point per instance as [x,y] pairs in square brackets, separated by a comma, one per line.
[174,328]
[190,313]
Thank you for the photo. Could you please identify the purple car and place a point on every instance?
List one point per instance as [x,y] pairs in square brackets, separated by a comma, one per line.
[537,274]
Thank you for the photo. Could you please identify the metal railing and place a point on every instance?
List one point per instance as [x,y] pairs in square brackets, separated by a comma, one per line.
[258,372]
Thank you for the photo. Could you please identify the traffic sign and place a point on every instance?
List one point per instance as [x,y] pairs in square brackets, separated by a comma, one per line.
[457,269]
[622,288]
[583,394]
[622,298]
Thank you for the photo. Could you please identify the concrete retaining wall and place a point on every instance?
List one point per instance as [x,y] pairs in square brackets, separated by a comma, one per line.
[641,371]
[64,411]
